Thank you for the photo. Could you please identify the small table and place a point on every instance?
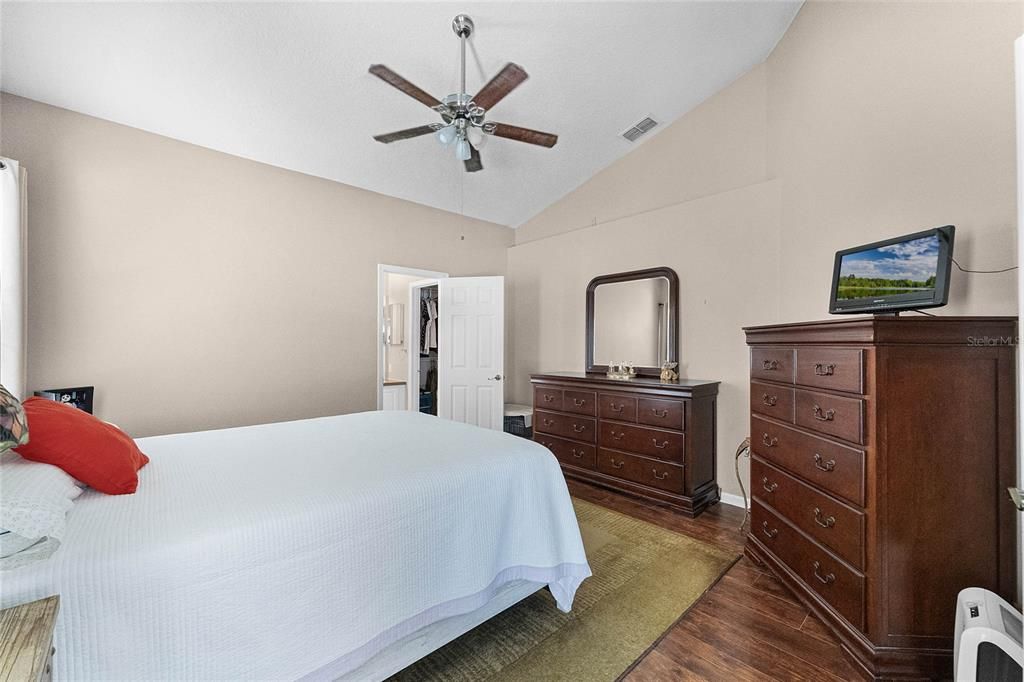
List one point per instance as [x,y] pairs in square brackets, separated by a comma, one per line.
[26,640]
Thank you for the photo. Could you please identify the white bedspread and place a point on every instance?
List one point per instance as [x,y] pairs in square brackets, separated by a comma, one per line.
[300,549]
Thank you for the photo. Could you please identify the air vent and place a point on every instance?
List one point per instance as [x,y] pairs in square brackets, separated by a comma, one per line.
[641,128]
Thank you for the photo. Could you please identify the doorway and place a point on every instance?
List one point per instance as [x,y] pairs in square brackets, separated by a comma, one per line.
[456,371]
[395,338]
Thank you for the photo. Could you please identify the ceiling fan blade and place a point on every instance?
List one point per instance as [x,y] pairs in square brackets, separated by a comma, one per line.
[507,80]
[473,163]
[393,79]
[520,134]
[407,133]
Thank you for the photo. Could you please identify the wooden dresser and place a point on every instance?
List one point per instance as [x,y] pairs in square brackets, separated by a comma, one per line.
[881,450]
[641,436]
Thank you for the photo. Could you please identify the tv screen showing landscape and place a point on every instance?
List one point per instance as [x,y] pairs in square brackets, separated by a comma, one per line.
[909,267]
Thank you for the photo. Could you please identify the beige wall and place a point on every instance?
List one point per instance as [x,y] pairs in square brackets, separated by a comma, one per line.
[868,120]
[725,251]
[198,290]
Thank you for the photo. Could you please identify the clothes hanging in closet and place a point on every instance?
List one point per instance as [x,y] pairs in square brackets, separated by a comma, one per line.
[428,322]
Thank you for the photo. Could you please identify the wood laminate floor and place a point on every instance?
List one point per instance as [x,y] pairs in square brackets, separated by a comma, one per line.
[748,626]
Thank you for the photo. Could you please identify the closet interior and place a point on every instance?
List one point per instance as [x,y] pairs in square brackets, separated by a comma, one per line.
[428,350]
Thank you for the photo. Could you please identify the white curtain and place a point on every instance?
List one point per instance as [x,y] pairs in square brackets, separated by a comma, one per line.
[13,238]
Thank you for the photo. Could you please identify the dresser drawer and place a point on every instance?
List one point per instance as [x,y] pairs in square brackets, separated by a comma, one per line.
[565,425]
[774,401]
[641,470]
[667,445]
[837,416]
[665,414]
[840,369]
[832,523]
[620,407]
[568,452]
[838,584]
[774,364]
[579,402]
[547,398]
[835,468]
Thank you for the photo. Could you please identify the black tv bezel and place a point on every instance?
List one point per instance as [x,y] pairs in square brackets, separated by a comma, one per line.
[897,302]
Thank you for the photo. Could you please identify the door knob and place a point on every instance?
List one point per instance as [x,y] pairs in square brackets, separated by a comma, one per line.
[497,377]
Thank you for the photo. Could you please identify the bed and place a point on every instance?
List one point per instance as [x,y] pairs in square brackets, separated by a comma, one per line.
[320,549]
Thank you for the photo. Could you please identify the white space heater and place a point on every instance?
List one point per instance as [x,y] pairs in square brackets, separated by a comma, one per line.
[987,645]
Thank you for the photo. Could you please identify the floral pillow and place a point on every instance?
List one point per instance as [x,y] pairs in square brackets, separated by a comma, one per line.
[13,422]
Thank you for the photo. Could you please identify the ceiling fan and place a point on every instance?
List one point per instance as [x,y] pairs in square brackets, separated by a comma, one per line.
[463,116]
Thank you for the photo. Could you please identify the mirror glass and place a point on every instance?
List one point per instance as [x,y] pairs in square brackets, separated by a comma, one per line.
[631,322]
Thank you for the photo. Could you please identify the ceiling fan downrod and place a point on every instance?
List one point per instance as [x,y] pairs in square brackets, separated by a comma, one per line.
[462,129]
[463,27]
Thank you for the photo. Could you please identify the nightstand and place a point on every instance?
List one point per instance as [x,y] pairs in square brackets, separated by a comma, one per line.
[26,640]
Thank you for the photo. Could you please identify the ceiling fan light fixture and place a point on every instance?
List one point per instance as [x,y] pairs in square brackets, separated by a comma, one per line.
[446,135]
[462,150]
[475,137]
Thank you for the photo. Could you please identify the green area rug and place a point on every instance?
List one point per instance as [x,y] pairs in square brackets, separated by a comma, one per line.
[645,578]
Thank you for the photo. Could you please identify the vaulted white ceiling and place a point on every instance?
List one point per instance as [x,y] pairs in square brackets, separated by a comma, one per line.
[287,84]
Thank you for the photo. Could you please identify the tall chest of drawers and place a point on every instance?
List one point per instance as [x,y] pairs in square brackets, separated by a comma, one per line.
[651,439]
[881,450]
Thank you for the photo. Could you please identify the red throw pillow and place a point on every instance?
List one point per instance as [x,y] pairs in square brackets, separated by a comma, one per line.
[96,453]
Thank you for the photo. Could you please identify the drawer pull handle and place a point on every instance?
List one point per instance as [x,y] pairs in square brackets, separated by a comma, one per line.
[824,415]
[768,442]
[618,436]
[579,429]
[827,466]
[769,365]
[823,579]
[578,454]
[769,400]
[548,422]
[823,370]
[768,487]
[770,534]
[548,398]
[660,478]
[824,522]
[660,446]
[617,465]
[616,408]
[661,414]
[579,402]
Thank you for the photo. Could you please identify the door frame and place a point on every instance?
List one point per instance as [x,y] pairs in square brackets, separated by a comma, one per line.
[383,270]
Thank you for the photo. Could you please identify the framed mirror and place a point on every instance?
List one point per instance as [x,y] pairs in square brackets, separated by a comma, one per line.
[633,317]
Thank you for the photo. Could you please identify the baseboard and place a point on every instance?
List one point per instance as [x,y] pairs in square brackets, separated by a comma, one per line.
[732,500]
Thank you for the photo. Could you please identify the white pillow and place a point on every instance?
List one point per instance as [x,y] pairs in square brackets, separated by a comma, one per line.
[34,501]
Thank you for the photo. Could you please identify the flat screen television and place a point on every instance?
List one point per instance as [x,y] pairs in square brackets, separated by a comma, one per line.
[905,273]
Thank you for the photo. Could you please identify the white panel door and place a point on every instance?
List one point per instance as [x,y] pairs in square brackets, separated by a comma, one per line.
[471,350]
